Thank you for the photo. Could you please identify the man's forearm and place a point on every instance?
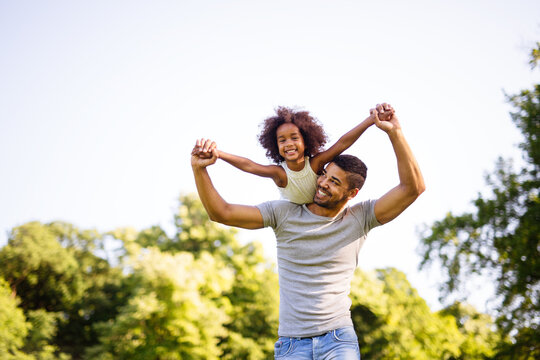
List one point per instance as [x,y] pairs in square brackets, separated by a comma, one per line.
[410,176]
[210,198]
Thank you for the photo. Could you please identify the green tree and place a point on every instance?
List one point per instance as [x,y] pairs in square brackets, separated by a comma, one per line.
[43,273]
[480,338]
[254,299]
[195,232]
[104,289]
[13,325]
[254,295]
[177,310]
[393,322]
[40,340]
[63,286]
[500,238]
[22,339]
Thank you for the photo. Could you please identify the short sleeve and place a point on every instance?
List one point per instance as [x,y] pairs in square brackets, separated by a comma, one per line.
[267,212]
[365,213]
[273,212]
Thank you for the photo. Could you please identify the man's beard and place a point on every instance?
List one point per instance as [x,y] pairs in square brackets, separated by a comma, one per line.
[331,204]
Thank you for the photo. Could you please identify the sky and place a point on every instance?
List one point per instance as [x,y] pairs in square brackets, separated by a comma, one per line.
[101,103]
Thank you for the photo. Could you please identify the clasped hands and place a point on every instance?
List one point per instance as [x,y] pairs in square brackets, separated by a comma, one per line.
[204,153]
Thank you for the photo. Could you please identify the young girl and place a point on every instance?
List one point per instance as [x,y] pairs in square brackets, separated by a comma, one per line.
[294,141]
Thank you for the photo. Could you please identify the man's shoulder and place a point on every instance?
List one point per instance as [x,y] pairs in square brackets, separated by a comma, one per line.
[279,204]
[274,212]
[364,211]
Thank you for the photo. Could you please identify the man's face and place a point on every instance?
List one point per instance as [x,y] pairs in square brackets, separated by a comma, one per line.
[333,188]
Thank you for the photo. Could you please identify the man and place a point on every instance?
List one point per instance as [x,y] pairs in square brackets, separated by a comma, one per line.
[318,243]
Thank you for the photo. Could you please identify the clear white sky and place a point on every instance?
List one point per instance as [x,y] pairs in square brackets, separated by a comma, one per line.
[101,102]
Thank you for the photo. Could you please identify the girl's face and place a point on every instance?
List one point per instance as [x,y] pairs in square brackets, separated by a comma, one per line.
[290,142]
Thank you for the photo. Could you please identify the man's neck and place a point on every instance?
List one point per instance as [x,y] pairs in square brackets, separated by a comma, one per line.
[326,212]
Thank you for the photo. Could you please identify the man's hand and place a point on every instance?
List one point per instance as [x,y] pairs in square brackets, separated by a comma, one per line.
[385,114]
[204,153]
[385,117]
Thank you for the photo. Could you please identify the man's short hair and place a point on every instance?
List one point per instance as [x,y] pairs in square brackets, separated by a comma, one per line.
[355,168]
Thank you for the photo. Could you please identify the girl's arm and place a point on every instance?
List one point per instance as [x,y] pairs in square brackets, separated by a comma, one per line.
[321,159]
[274,172]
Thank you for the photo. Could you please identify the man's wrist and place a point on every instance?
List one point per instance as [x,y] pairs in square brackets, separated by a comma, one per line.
[198,167]
[395,133]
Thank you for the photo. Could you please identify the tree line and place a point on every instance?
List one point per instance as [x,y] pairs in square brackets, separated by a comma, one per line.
[199,294]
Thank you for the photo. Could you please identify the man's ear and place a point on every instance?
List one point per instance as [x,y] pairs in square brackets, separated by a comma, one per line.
[353,193]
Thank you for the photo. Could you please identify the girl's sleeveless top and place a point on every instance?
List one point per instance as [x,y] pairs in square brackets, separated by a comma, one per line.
[301,185]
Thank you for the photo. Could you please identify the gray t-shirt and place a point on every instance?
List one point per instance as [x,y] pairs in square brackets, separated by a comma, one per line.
[316,257]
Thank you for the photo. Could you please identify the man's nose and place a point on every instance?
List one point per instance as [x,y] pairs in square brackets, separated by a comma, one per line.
[323,182]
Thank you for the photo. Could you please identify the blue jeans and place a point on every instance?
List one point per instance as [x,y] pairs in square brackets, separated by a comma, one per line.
[337,344]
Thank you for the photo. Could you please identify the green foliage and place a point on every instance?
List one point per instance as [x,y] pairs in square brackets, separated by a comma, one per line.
[480,339]
[195,233]
[393,321]
[21,339]
[177,310]
[39,269]
[103,289]
[39,341]
[500,238]
[64,288]
[13,325]
[198,294]
[535,55]
[254,296]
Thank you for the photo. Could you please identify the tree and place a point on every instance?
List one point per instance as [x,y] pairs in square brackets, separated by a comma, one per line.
[177,310]
[254,298]
[479,338]
[43,273]
[393,322]
[195,232]
[500,238]
[62,285]
[252,322]
[13,325]
[104,290]
[22,338]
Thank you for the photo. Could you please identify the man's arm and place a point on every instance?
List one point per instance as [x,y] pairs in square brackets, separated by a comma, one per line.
[274,172]
[411,181]
[247,217]
[321,159]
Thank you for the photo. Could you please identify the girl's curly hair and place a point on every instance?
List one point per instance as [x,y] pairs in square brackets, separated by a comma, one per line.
[312,131]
